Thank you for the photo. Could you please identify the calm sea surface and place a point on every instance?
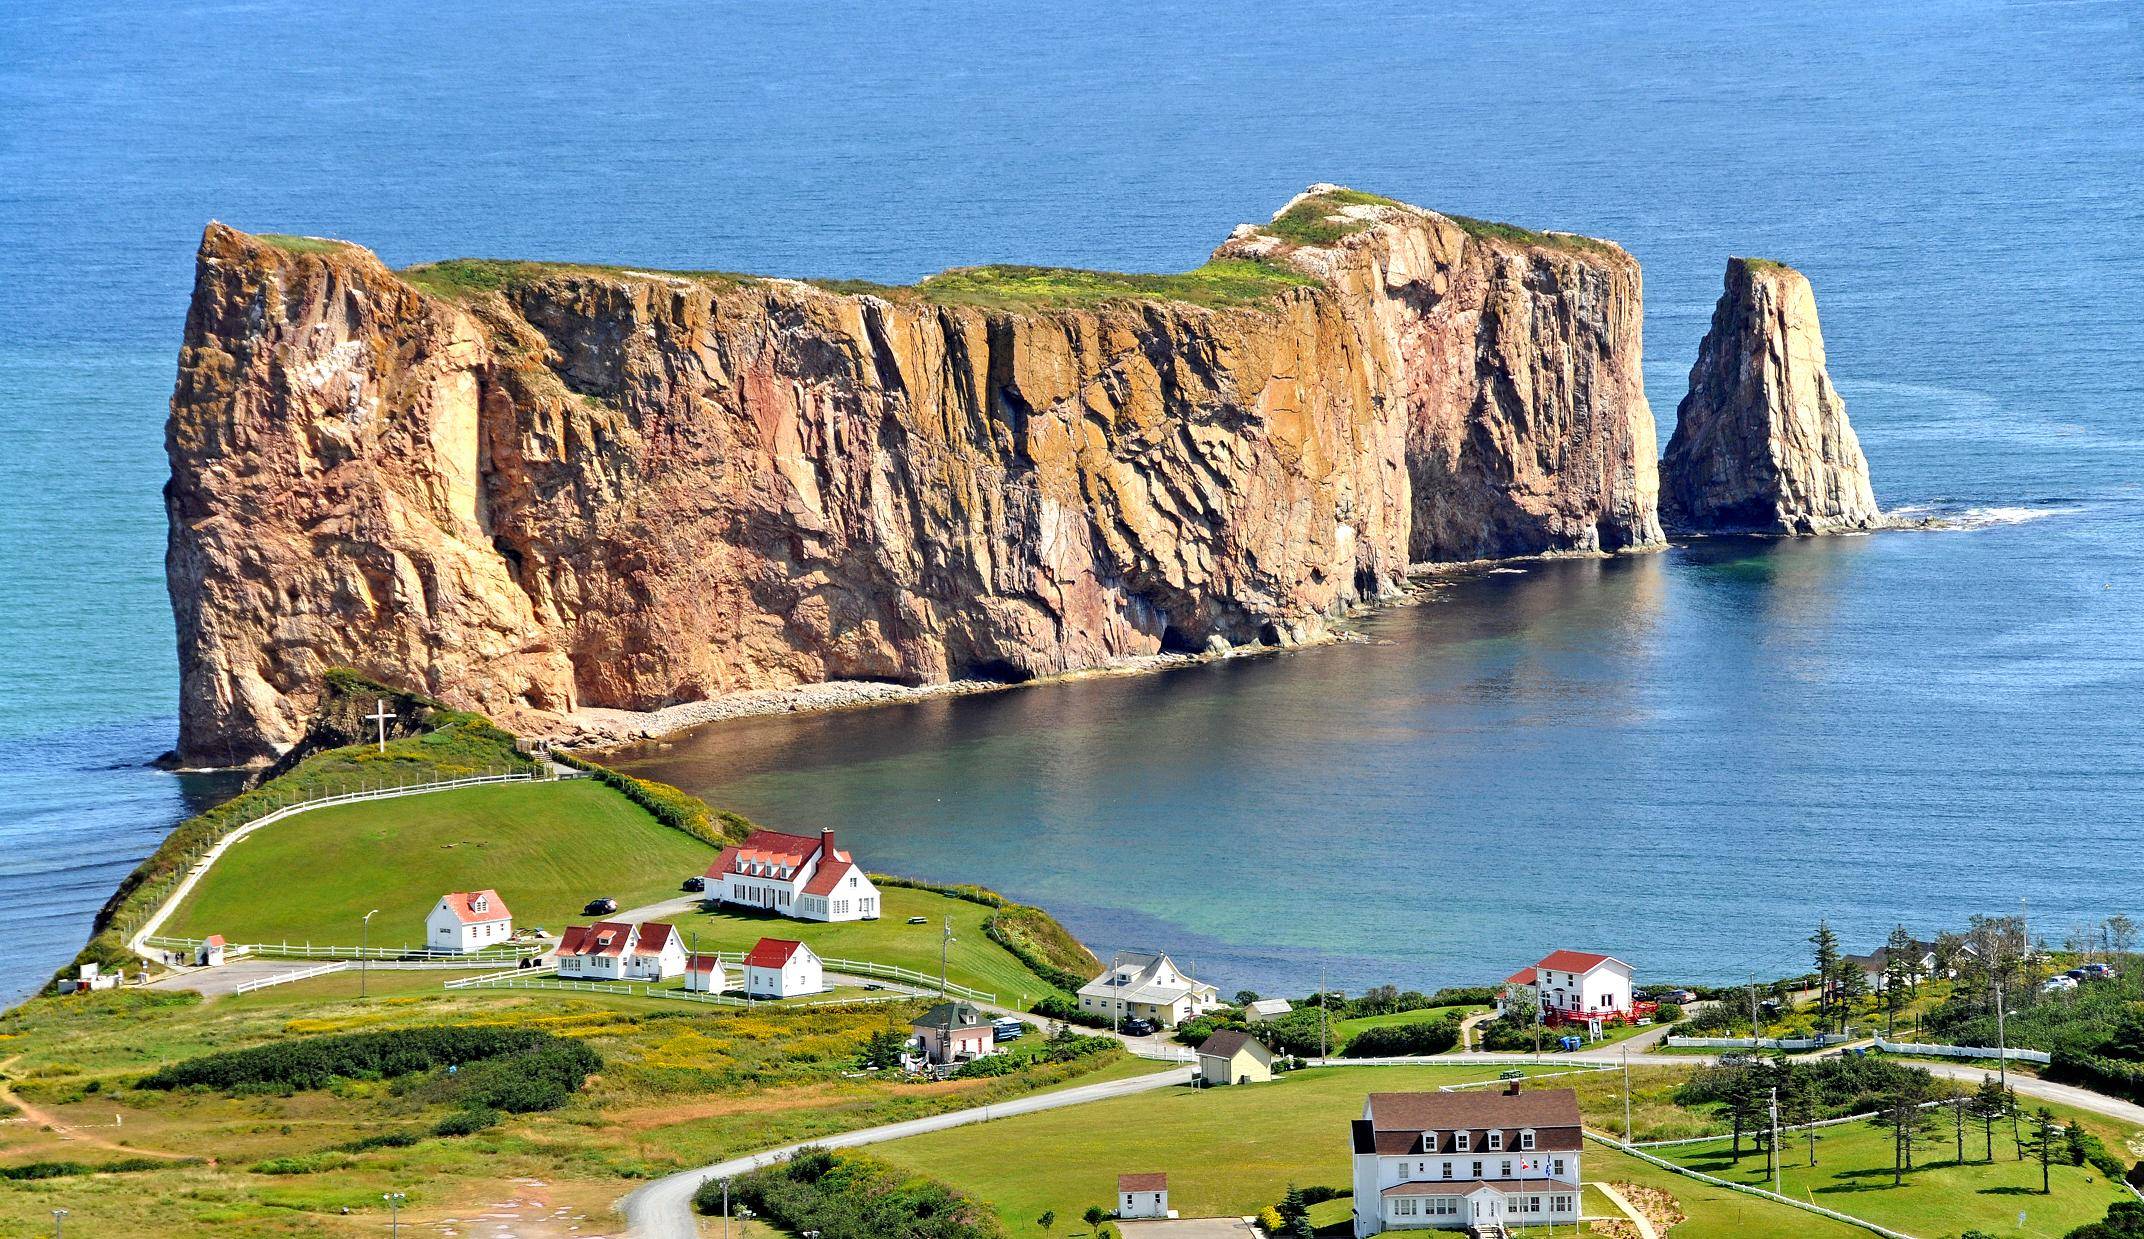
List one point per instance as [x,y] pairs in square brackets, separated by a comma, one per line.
[1682,757]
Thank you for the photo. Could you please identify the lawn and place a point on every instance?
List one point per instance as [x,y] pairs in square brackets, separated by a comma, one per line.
[1345,1030]
[547,848]
[973,960]
[1941,1197]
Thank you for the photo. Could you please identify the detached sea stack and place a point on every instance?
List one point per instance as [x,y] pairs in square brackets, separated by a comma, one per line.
[531,488]
[1761,443]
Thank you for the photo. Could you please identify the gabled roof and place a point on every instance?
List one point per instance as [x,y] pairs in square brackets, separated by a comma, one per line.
[703,963]
[653,937]
[1225,1042]
[784,852]
[1269,1006]
[1524,976]
[1575,961]
[828,876]
[773,952]
[1142,1183]
[951,1017]
[213,940]
[1134,976]
[599,939]
[463,905]
[1474,1110]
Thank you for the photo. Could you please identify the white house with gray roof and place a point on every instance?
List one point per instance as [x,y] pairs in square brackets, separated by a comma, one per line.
[1480,1159]
[1147,985]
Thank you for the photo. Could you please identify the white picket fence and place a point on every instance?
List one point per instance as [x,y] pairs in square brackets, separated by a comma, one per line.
[2041,1057]
[312,950]
[285,978]
[527,974]
[885,972]
[1759,1043]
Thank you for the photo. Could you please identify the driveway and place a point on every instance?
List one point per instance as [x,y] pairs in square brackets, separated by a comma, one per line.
[1189,1228]
[663,1209]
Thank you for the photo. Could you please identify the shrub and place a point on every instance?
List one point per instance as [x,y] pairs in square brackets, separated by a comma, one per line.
[1428,1037]
[384,1140]
[61,1170]
[1270,1221]
[308,1163]
[851,1196]
[2102,1075]
[1058,1007]
[1667,1014]
[506,1068]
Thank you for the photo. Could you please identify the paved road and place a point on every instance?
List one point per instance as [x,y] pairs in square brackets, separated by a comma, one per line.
[663,1209]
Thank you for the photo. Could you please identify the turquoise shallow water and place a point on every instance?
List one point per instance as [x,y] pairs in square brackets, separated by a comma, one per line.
[1660,755]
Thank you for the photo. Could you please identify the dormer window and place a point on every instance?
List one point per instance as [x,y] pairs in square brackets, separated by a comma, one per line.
[1496,1141]
[480,904]
[1462,1140]
[1526,1141]
[1429,1142]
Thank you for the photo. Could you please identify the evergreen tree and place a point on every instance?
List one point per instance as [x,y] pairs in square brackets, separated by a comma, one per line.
[1292,1206]
[1902,1114]
[2044,1144]
[1827,968]
[1047,1220]
[1989,1105]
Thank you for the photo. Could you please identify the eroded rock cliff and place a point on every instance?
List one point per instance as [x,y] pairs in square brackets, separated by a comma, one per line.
[530,488]
[1761,442]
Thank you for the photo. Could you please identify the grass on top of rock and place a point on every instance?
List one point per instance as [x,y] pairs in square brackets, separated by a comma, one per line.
[303,245]
[1316,219]
[461,278]
[1493,230]
[547,848]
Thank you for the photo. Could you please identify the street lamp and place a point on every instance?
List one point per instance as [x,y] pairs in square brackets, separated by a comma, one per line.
[394,1212]
[364,943]
[59,1222]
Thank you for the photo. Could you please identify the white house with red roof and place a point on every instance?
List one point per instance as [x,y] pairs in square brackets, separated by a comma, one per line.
[616,951]
[1450,1161]
[1579,987]
[781,968]
[1143,1196]
[794,875]
[210,953]
[704,974]
[468,921]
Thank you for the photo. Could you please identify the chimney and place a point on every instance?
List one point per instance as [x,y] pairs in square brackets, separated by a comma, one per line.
[1511,1088]
[826,843]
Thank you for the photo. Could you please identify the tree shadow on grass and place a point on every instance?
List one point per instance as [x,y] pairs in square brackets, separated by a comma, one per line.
[2011,1191]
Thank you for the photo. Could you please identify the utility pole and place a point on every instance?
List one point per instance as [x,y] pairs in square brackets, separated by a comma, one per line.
[59,1223]
[1753,1033]
[725,1209]
[2002,1052]
[394,1212]
[1771,1150]
[944,943]
[1626,1094]
[1322,1016]
[364,944]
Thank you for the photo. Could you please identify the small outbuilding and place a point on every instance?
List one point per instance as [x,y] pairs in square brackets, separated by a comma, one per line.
[1143,1196]
[1263,1009]
[954,1032]
[210,953]
[704,974]
[780,968]
[1233,1057]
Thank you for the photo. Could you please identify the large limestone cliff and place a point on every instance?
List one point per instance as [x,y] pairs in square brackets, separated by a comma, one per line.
[1761,443]
[529,488]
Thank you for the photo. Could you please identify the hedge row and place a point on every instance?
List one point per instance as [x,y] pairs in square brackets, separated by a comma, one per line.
[2113,1076]
[1391,1041]
[1065,1010]
[63,1170]
[522,1063]
[1029,934]
[673,807]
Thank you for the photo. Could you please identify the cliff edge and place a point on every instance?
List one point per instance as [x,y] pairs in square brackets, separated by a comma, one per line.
[530,488]
[1761,442]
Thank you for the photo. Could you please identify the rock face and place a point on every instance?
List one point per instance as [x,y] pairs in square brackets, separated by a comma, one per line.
[1761,443]
[528,489]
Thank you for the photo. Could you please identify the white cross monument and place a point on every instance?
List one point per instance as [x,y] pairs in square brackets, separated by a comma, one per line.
[382,719]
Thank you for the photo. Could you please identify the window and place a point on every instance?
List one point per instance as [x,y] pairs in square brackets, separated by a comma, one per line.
[1556,1167]
[1496,1141]
[1459,1141]
[1526,1140]
[1429,1142]
[1560,1204]
[1447,1170]
[1477,1170]
[1503,1170]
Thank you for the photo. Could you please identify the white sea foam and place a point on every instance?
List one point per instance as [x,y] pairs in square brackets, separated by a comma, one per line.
[1956,519]
[1507,572]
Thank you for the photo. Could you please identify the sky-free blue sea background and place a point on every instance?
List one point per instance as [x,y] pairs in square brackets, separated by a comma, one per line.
[1685,757]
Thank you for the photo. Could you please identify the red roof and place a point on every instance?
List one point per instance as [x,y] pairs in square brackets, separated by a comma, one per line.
[1574,961]
[212,940]
[1142,1183]
[1524,976]
[829,875]
[772,952]
[778,849]
[703,963]
[654,936]
[463,904]
[601,938]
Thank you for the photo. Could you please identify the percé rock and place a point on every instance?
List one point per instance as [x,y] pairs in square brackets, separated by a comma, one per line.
[530,488]
[1761,443]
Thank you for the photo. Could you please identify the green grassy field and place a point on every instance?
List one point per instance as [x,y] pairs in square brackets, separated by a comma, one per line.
[973,960]
[1941,1197]
[1345,1030]
[547,848]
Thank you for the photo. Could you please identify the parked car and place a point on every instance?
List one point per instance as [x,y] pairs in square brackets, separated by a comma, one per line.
[1138,1028]
[1682,997]
[2100,970]
[2076,974]
[2056,985]
[1008,1029]
[694,884]
[600,907]
[919,920]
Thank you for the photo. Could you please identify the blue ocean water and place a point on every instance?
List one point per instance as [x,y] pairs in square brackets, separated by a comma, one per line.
[1686,756]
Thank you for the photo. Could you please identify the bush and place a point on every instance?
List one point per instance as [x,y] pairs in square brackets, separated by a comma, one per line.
[1058,1007]
[1467,995]
[1667,1014]
[851,1196]
[308,1163]
[515,1069]
[61,1170]
[2102,1075]
[1271,1222]
[1428,1037]
[384,1140]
